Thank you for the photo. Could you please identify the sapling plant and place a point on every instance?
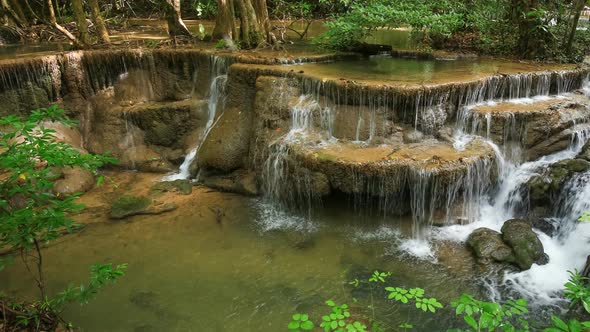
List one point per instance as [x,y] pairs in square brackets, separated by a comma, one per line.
[32,214]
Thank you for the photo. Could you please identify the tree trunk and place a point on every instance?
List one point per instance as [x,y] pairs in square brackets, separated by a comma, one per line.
[18,9]
[254,24]
[53,21]
[14,16]
[103,33]
[176,26]
[262,15]
[578,12]
[225,26]
[251,33]
[80,17]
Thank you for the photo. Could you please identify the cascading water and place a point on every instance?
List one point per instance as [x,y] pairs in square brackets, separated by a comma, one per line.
[567,250]
[276,169]
[216,95]
[284,191]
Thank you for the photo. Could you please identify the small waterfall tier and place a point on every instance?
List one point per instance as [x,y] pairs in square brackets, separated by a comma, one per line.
[529,128]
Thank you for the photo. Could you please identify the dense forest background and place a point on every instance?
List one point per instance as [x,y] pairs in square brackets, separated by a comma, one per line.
[534,29]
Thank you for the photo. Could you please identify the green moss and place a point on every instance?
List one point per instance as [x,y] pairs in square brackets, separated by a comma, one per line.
[126,206]
[325,157]
[183,187]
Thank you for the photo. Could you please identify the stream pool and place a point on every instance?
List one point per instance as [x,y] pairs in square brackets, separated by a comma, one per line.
[250,272]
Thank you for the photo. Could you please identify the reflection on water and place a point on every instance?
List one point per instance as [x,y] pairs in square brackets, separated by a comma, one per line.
[14,51]
[414,72]
[145,29]
[189,273]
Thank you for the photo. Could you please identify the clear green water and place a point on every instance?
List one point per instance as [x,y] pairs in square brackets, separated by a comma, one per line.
[399,71]
[249,273]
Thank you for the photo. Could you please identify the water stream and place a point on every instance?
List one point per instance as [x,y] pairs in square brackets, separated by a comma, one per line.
[214,104]
[290,250]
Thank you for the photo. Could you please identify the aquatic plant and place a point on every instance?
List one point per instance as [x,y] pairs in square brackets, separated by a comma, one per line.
[478,315]
[482,315]
[32,214]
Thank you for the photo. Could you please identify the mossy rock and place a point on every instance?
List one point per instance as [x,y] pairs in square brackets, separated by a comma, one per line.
[543,188]
[184,187]
[126,206]
[488,244]
[527,247]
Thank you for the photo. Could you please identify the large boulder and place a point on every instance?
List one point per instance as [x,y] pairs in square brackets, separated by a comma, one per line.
[145,159]
[74,180]
[488,245]
[527,247]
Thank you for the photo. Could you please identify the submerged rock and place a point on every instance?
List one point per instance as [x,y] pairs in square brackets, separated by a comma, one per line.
[488,244]
[527,247]
[184,187]
[239,182]
[126,206]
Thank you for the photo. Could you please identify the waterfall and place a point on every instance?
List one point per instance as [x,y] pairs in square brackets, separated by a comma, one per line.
[586,86]
[566,251]
[288,190]
[216,95]
[276,174]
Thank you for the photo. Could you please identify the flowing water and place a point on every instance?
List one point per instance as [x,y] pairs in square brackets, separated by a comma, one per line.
[215,103]
[189,273]
[250,267]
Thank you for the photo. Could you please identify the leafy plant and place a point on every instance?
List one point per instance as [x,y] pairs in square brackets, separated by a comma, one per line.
[301,322]
[221,44]
[32,214]
[577,291]
[482,315]
[571,326]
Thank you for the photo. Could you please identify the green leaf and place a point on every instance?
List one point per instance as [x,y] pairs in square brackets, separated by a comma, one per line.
[307,325]
[559,323]
[293,325]
[297,317]
[470,321]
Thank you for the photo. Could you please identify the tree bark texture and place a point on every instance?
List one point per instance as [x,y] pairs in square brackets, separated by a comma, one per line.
[80,17]
[103,33]
[225,26]
[176,26]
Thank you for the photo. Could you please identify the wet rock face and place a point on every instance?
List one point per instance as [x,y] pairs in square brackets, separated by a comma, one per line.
[544,189]
[527,247]
[150,137]
[539,128]
[240,182]
[227,144]
[488,245]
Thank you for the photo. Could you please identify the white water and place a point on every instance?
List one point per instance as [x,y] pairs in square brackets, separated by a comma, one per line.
[567,251]
[216,93]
